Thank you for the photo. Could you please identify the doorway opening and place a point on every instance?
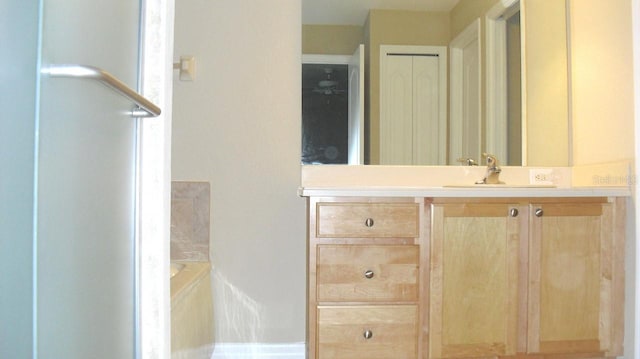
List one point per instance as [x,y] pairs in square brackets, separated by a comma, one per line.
[325,113]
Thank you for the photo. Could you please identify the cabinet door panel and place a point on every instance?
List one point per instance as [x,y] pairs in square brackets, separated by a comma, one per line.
[570,278]
[474,281]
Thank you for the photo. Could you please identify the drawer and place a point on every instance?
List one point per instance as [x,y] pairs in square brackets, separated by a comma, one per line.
[367,332]
[352,220]
[367,273]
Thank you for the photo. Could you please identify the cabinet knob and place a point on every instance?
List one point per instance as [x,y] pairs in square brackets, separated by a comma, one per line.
[368,334]
[368,222]
[539,212]
[368,274]
[513,212]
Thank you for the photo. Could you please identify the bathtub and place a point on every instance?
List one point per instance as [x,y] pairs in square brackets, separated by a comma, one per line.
[191,310]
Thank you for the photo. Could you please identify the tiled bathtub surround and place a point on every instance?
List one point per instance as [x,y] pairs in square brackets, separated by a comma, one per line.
[190,221]
[192,312]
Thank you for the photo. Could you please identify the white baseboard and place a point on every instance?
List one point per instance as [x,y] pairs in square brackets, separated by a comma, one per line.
[259,351]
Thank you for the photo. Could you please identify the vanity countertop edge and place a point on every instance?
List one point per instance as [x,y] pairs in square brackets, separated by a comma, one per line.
[391,191]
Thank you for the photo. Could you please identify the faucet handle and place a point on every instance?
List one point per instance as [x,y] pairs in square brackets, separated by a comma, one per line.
[467,161]
[493,171]
[492,161]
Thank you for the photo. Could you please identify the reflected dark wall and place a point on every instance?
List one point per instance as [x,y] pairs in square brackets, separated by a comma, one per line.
[324,115]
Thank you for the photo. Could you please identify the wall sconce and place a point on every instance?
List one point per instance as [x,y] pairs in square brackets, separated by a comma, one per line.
[187,68]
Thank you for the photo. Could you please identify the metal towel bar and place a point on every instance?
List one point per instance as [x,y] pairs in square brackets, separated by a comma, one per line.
[145,108]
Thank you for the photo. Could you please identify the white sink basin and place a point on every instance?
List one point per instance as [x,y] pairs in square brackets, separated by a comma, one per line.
[499,186]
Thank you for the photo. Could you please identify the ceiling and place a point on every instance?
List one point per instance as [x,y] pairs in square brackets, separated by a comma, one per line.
[354,12]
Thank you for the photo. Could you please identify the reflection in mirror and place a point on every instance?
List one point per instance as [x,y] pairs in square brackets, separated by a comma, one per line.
[543,57]
[324,114]
[504,83]
[465,100]
[514,89]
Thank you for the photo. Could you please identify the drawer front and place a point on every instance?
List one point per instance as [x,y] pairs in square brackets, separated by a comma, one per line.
[353,220]
[367,332]
[367,273]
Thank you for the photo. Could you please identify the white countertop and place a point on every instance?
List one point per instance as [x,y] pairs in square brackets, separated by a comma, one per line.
[605,180]
[493,191]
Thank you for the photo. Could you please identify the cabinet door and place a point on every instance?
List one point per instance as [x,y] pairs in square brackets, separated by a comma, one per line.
[474,280]
[570,278]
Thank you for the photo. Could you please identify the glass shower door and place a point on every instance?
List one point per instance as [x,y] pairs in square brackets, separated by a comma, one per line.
[86,173]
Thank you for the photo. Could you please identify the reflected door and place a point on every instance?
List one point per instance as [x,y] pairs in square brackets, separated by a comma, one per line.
[412,105]
[465,127]
[85,218]
[356,107]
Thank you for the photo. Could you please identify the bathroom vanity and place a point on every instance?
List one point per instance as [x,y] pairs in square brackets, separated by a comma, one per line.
[454,272]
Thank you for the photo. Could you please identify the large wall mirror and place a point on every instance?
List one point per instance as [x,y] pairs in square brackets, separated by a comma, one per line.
[444,80]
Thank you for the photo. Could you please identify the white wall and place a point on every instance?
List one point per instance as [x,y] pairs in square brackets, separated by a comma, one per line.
[238,127]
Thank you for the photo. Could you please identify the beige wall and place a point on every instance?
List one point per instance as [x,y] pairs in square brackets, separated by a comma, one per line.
[546,86]
[603,113]
[466,11]
[331,39]
[602,81]
[394,27]
[237,126]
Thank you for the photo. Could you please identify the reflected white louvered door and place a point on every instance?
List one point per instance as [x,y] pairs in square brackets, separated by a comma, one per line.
[411,109]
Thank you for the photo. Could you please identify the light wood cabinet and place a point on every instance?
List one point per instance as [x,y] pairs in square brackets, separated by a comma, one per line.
[365,278]
[575,279]
[539,278]
[366,220]
[368,273]
[474,279]
[367,332]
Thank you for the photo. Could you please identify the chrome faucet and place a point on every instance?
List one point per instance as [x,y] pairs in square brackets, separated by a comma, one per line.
[467,161]
[493,171]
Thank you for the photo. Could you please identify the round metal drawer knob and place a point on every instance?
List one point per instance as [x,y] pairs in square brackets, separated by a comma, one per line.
[513,212]
[539,212]
[368,334]
[368,222]
[369,274]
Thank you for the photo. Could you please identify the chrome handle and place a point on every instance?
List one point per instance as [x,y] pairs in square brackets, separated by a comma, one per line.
[513,212]
[539,212]
[369,222]
[369,274]
[467,161]
[145,108]
[368,334]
